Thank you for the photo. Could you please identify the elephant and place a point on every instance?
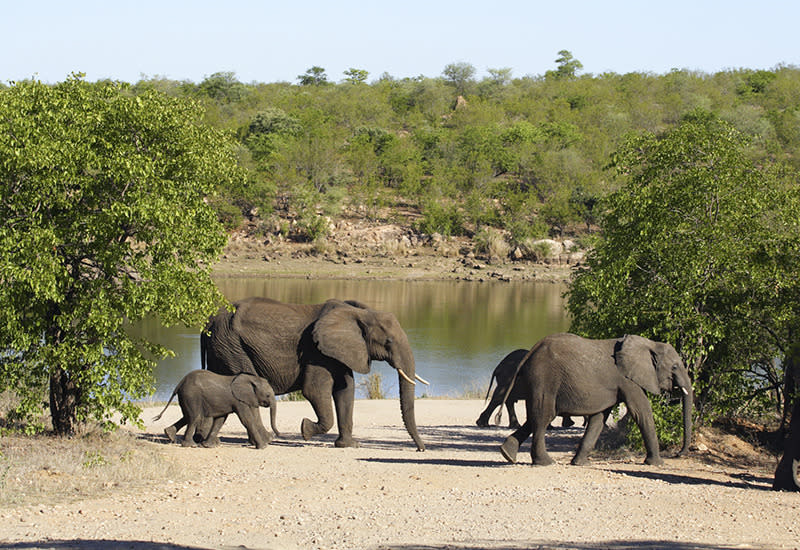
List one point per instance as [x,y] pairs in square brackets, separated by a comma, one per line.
[314,348]
[787,474]
[504,374]
[206,395]
[567,374]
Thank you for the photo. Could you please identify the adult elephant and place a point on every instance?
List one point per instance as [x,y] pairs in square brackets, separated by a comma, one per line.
[567,374]
[314,349]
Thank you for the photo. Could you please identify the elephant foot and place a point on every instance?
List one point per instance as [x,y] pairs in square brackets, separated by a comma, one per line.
[171,433]
[579,461]
[482,423]
[309,429]
[188,443]
[543,460]
[210,443]
[514,425]
[342,442]
[509,449]
[654,461]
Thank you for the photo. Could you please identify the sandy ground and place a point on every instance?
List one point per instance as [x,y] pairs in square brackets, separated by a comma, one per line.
[459,494]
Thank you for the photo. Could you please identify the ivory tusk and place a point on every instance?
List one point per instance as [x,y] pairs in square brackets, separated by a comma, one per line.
[421,379]
[684,390]
[405,376]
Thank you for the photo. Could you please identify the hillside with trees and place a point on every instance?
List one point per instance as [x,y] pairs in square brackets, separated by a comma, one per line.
[526,155]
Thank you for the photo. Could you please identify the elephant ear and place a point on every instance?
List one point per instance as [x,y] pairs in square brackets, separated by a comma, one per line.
[243,389]
[635,358]
[338,334]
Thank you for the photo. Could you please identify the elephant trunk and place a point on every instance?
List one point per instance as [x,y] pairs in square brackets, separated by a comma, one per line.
[406,372]
[683,381]
[273,415]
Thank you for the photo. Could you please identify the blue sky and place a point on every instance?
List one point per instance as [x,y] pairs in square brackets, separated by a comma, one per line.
[277,41]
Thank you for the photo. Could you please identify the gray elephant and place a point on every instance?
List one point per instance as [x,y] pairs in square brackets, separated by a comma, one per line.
[205,395]
[567,374]
[505,374]
[314,349]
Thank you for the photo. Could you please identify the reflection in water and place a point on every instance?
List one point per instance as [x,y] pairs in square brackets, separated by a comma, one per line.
[458,330]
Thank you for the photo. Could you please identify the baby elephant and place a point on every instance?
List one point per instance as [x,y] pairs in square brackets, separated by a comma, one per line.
[203,394]
[505,374]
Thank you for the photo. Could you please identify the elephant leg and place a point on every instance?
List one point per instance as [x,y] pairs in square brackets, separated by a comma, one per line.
[566,421]
[317,389]
[639,406]
[344,394]
[256,432]
[511,445]
[494,402]
[172,431]
[539,421]
[483,419]
[212,439]
[593,428]
[191,428]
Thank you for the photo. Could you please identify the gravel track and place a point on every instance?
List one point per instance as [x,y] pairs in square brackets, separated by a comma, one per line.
[458,494]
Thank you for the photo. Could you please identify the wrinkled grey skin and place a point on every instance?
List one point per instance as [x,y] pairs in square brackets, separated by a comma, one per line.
[314,349]
[786,474]
[205,395]
[567,374]
[505,374]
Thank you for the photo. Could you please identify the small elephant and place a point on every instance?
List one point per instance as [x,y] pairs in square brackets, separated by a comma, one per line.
[206,395]
[504,373]
[567,374]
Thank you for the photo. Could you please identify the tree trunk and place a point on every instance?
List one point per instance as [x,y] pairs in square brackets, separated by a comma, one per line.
[63,402]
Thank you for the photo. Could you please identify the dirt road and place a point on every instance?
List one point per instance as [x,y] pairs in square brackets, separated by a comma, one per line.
[458,494]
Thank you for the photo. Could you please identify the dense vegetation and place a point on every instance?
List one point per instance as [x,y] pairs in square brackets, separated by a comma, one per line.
[528,154]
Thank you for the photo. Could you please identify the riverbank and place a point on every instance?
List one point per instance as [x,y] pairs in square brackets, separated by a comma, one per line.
[384,252]
[458,494]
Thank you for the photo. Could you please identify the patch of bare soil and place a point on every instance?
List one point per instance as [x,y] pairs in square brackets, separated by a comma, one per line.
[458,494]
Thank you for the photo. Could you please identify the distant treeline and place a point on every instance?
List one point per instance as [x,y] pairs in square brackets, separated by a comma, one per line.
[528,155]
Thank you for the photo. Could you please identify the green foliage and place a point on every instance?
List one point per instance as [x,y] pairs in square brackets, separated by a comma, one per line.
[699,249]
[105,221]
[315,76]
[443,218]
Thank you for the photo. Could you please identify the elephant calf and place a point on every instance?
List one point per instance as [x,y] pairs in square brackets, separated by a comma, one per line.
[204,394]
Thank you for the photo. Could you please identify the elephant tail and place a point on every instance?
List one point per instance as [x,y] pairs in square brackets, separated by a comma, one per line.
[489,390]
[171,397]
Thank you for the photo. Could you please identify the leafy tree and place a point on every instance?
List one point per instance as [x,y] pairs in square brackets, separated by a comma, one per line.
[699,249]
[222,87]
[356,76]
[459,75]
[568,66]
[105,221]
[315,76]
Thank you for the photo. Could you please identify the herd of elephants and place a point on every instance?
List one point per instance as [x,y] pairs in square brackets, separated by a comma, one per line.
[263,348]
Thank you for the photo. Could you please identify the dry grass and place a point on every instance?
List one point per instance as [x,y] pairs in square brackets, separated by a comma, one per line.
[373,386]
[48,469]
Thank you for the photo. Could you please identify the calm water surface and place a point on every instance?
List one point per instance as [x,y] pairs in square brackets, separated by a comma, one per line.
[458,330]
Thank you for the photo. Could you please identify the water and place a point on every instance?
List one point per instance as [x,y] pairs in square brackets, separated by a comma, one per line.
[459,331]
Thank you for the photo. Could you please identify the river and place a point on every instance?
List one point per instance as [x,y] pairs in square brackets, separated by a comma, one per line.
[459,331]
